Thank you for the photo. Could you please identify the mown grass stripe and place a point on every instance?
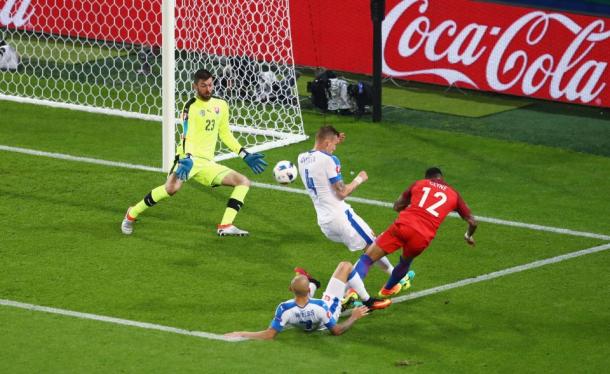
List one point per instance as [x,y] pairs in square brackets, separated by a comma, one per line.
[501,273]
[61,156]
[212,336]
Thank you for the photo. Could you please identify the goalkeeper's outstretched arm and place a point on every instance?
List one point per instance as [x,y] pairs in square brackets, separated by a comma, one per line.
[254,160]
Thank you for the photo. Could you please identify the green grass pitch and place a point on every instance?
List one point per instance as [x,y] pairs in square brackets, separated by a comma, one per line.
[61,246]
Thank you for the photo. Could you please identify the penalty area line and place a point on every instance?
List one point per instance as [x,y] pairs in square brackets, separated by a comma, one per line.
[501,273]
[89,160]
[125,165]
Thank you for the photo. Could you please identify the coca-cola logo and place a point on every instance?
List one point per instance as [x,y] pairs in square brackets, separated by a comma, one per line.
[13,14]
[457,53]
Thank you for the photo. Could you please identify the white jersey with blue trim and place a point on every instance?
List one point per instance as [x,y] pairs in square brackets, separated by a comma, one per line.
[310,317]
[319,171]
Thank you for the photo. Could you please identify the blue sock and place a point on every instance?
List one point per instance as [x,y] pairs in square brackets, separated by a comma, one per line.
[399,272]
[362,267]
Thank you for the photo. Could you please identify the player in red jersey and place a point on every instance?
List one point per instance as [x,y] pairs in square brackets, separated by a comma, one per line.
[422,208]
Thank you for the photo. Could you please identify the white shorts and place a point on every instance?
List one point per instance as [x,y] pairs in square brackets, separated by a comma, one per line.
[333,294]
[349,229]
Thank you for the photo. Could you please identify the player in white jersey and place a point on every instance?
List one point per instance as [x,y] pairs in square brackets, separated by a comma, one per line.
[320,172]
[310,314]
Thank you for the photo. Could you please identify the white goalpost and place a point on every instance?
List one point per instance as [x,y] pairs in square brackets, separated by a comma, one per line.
[168,83]
[136,59]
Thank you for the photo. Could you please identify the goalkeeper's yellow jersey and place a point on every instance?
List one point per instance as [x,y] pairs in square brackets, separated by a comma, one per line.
[203,122]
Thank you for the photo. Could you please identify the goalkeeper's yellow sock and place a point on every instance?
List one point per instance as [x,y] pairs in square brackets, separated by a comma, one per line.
[149,200]
[234,204]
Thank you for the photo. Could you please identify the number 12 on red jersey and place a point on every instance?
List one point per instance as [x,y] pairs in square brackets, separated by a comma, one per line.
[442,199]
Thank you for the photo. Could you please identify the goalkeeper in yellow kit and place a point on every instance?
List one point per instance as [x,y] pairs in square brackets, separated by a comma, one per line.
[205,118]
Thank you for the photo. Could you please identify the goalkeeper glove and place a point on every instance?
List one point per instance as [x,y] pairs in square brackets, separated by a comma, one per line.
[254,160]
[184,168]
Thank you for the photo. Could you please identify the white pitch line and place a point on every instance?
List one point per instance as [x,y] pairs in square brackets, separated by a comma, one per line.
[207,335]
[117,321]
[497,221]
[501,273]
[532,226]
[62,156]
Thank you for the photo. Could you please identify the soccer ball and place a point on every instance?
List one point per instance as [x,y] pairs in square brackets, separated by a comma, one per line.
[285,172]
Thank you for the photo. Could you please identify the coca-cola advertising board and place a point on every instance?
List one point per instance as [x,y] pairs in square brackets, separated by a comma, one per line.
[518,51]
[479,45]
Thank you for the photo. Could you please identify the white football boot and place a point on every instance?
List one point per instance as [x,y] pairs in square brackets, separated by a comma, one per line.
[230,230]
[127,224]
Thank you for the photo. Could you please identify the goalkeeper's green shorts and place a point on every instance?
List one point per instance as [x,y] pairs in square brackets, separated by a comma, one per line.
[207,172]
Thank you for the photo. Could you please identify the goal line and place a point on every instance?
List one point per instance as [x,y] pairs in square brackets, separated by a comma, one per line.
[281,138]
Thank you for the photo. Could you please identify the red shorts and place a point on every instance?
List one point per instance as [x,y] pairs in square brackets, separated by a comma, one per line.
[402,236]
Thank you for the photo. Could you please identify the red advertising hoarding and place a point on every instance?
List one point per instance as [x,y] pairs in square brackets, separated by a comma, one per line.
[130,21]
[479,45]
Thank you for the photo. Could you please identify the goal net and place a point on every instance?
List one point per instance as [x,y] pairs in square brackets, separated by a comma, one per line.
[106,56]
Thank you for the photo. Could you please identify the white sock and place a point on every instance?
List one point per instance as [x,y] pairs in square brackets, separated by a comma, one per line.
[357,284]
[312,289]
[385,265]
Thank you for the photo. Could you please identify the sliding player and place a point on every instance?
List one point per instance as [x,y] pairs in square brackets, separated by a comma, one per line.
[310,314]
[206,118]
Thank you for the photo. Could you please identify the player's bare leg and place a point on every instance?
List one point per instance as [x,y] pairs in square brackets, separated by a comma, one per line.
[236,201]
[374,252]
[342,271]
[171,186]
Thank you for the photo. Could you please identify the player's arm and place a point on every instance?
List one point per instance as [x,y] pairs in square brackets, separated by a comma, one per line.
[342,327]
[343,190]
[472,227]
[403,200]
[276,326]
[184,164]
[268,334]
[253,160]
[185,122]
[464,212]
